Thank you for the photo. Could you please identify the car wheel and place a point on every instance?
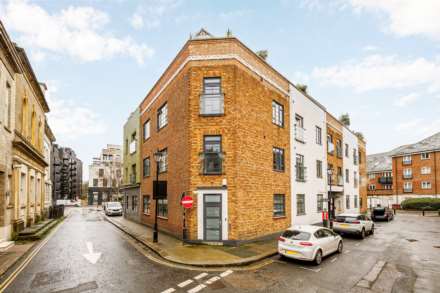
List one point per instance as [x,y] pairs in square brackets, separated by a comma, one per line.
[363,233]
[340,247]
[318,257]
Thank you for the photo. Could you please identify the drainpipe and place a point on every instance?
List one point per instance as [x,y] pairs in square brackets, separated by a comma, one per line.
[435,174]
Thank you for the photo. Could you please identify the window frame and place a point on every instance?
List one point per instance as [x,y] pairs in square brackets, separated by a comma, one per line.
[425,156]
[303,200]
[163,161]
[161,211]
[220,143]
[159,113]
[276,213]
[277,114]
[146,211]
[347,202]
[276,151]
[319,173]
[149,167]
[148,122]
[319,202]
[318,135]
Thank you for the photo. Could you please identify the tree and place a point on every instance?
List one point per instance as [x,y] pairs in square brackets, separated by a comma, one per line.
[302,87]
[263,54]
[359,135]
[345,119]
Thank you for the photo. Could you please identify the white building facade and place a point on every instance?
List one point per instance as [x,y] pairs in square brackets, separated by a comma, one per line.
[350,155]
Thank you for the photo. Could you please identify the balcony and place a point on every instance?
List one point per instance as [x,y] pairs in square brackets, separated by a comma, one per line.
[211,104]
[300,134]
[407,176]
[330,148]
[385,180]
[300,173]
[212,163]
[407,189]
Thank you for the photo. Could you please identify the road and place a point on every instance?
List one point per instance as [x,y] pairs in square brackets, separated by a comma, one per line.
[88,254]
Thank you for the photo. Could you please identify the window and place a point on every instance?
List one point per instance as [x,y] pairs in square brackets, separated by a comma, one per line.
[300,168]
[95,182]
[278,159]
[320,202]
[339,148]
[162,116]
[346,150]
[134,201]
[147,130]
[212,100]
[355,157]
[126,150]
[407,160]
[300,204]
[212,85]
[426,185]
[162,208]
[318,135]
[355,201]
[163,164]
[371,187]
[407,186]
[347,202]
[355,179]
[424,156]
[330,145]
[319,169]
[126,202]
[101,172]
[299,128]
[277,114]
[146,206]
[146,167]
[279,205]
[371,176]
[212,154]
[299,121]
[426,170]
[360,157]
[347,175]
[8,106]
[407,173]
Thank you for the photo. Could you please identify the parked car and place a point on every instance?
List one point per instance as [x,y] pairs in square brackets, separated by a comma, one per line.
[382,213]
[309,243]
[353,224]
[113,208]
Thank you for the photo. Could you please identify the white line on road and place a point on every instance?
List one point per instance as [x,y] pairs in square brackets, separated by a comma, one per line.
[212,280]
[310,269]
[183,284]
[202,275]
[333,259]
[197,288]
[170,290]
[226,273]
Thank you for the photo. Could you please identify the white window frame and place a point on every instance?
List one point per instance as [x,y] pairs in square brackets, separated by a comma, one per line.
[426,185]
[147,129]
[425,156]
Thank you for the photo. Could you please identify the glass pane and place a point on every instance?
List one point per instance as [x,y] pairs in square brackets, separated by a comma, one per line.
[212,223]
[212,235]
[212,212]
[212,198]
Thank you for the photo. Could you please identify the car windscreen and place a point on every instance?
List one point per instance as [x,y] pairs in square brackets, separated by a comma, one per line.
[114,205]
[379,212]
[345,219]
[296,235]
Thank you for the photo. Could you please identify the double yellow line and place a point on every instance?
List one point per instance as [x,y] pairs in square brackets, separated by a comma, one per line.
[28,259]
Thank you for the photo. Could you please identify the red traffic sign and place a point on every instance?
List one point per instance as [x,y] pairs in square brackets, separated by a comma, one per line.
[187,202]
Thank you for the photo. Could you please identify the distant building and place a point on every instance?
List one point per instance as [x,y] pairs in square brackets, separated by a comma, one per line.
[105,176]
[48,139]
[66,174]
[408,171]
[131,166]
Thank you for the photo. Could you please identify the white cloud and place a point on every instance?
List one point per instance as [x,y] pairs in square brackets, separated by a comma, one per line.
[150,13]
[235,14]
[68,120]
[377,72]
[419,127]
[406,17]
[406,100]
[370,48]
[77,31]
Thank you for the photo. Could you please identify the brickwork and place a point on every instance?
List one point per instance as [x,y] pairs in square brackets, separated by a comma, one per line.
[363,175]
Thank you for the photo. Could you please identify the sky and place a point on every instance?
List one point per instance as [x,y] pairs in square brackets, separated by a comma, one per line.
[377,60]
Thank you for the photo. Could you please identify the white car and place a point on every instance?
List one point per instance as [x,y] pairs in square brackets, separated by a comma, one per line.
[113,208]
[308,242]
[353,224]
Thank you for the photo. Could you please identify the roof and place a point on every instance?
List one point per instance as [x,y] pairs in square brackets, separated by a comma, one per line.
[428,144]
[305,228]
[382,161]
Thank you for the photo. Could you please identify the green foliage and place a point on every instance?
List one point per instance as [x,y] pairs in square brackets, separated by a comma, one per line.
[302,87]
[360,135]
[345,119]
[263,54]
[425,203]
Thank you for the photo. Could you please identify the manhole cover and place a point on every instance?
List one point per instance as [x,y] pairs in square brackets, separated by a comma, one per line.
[411,240]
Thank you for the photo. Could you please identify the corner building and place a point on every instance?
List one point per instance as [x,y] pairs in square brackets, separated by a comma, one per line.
[221,115]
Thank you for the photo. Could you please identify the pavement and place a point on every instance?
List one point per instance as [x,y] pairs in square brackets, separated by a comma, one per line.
[173,249]
[86,253]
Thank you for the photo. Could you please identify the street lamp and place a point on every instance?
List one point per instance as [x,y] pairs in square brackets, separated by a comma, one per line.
[330,211]
[158,157]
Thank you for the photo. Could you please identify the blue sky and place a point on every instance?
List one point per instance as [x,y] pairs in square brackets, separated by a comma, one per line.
[377,60]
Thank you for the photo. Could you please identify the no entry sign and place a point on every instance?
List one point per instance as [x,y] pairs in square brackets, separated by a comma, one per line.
[187,202]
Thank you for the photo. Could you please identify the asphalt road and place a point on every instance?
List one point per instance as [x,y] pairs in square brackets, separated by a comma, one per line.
[409,247]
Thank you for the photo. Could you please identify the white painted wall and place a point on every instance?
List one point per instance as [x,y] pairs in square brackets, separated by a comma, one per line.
[313,116]
[349,189]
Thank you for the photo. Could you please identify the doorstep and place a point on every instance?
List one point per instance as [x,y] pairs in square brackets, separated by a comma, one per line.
[198,255]
[5,245]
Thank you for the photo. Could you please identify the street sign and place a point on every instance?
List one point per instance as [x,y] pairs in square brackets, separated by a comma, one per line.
[187,202]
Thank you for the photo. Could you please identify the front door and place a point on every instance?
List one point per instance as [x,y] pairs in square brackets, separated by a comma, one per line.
[212,211]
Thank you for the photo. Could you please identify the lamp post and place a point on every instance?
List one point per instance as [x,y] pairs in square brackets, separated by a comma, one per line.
[157,157]
[329,199]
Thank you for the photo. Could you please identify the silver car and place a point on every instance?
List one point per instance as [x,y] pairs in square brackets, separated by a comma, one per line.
[113,208]
[358,224]
[310,243]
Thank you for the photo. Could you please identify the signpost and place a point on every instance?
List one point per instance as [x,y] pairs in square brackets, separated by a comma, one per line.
[187,202]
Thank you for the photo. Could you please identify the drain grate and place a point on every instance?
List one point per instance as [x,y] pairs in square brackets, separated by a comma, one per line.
[412,240]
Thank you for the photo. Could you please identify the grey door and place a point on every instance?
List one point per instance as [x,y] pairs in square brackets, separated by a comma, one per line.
[212,217]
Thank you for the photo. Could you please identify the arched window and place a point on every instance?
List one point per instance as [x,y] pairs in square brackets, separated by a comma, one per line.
[24,115]
[33,127]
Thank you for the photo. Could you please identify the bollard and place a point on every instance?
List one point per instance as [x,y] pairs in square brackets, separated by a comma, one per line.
[423,212]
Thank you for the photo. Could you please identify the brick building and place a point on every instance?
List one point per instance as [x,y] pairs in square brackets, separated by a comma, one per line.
[224,120]
[408,171]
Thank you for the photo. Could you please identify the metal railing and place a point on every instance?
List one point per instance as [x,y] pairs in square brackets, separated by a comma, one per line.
[300,172]
[300,133]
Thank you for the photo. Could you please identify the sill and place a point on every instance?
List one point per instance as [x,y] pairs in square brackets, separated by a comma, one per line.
[300,180]
[280,126]
[299,140]
[161,172]
[145,139]
[301,214]
[211,115]
[147,214]
[278,171]
[159,129]
[9,206]
[163,218]
[7,129]
[212,174]
[279,217]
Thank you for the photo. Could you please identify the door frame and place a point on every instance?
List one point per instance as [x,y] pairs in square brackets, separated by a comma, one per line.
[204,216]
[224,212]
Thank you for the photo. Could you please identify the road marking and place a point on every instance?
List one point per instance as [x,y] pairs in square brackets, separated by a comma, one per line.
[92,257]
[202,275]
[212,280]
[347,251]
[197,288]
[169,290]
[226,273]
[313,270]
[21,267]
[183,284]
[333,259]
